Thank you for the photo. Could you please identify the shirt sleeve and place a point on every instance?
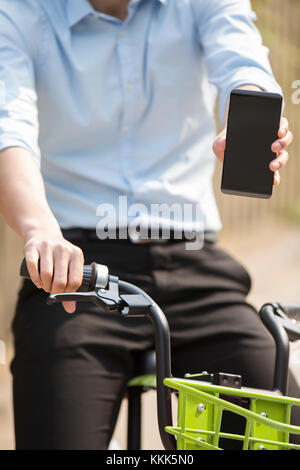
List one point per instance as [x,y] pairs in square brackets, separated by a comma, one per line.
[232,47]
[18,97]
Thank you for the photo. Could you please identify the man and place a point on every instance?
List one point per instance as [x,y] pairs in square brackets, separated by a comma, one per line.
[115,98]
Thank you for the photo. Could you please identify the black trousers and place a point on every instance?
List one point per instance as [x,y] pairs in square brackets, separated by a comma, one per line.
[70,371]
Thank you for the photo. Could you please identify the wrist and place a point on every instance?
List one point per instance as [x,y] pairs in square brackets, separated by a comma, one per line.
[250,88]
[40,229]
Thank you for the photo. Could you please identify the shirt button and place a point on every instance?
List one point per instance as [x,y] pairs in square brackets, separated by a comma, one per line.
[128,85]
[126,128]
[121,32]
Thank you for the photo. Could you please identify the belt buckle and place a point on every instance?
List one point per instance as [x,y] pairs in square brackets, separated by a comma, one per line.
[136,239]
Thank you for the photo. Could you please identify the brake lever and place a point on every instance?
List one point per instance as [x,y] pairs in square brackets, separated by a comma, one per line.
[79,297]
[280,313]
[108,298]
[291,326]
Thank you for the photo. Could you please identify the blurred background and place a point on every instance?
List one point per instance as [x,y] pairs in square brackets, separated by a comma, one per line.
[263,234]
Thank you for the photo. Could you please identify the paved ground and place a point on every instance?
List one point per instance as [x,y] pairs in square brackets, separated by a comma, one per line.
[271,253]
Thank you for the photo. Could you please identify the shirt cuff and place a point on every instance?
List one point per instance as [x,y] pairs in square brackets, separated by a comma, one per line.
[246,76]
[9,143]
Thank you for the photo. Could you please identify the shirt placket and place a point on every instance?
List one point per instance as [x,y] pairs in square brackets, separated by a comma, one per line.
[127,57]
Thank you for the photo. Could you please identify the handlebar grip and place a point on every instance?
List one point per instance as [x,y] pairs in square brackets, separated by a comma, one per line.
[88,280]
[292,310]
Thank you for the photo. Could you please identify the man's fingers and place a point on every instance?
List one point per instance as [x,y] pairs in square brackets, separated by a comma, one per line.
[75,271]
[276,178]
[46,266]
[69,306]
[32,261]
[75,275]
[68,272]
[285,139]
[280,161]
[284,127]
[61,266]
[280,144]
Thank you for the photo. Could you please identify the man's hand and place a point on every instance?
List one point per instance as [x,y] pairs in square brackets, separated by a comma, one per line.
[61,264]
[285,138]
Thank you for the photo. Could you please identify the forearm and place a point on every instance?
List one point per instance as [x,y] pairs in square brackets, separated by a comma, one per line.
[23,202]
[54,263]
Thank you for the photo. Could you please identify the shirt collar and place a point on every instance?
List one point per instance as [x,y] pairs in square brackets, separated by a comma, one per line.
[79,9]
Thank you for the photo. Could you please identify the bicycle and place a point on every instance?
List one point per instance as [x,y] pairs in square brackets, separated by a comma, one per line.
[202,398]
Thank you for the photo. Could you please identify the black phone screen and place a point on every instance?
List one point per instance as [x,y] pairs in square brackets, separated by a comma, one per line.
[253,123]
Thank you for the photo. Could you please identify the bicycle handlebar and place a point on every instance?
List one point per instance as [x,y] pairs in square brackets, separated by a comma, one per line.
[292,310]
[95,276]
[280,321]
[288,315]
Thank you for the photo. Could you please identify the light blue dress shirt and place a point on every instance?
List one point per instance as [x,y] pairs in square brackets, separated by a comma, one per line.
[111,108]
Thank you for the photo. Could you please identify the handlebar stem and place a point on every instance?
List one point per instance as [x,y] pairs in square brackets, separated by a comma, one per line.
[163,363]
[135,302]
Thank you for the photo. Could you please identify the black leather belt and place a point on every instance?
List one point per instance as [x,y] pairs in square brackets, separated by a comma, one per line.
[81,234]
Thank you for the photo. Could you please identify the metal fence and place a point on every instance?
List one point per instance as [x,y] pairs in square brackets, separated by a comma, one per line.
[278,22]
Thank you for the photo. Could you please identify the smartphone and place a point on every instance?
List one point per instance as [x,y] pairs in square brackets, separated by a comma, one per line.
[253,124]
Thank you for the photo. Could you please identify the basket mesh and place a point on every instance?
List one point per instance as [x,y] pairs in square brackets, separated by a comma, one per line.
[201,409]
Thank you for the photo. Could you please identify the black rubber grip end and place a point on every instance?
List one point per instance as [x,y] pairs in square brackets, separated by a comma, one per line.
[88,280]
[24,270]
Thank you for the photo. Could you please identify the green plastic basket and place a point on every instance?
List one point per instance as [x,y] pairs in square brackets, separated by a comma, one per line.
[201,406]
